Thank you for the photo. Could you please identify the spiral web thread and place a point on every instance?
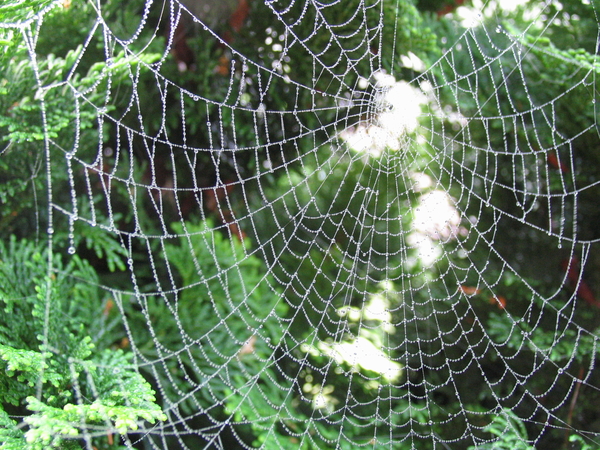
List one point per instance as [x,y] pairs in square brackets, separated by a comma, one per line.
[399,285]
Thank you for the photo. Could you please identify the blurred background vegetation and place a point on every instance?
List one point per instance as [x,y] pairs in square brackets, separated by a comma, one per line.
[158,171]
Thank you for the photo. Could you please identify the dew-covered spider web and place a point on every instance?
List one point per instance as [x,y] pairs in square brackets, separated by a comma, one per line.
[304,224]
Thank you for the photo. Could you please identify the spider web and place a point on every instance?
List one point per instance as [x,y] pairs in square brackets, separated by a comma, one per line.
[328,232]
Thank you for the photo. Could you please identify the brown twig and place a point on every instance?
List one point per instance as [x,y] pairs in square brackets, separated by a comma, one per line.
[572,406]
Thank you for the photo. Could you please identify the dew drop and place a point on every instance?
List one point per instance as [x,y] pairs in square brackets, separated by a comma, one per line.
[71,250]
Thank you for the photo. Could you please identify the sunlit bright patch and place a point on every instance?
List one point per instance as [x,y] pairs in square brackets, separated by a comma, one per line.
[397,106]
[363,353]
[436,216]
[436,220]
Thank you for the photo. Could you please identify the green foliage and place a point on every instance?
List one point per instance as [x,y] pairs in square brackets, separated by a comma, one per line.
[580,443]
[44,91]
[554,93]
[215,325]
[226,313]
[14,12]
[105,247]
[57,371]
[355,190]
[508,432]
[548,80]
[209,263]
[324,263]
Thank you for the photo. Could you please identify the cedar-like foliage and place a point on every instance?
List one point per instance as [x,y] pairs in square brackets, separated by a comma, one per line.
[60,382]
[222,312]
